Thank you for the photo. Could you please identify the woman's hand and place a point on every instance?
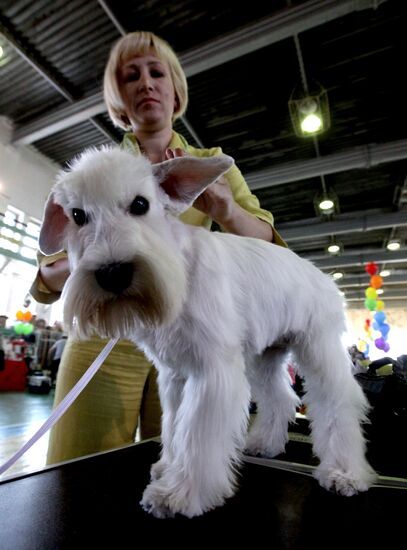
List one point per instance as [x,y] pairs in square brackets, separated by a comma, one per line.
[218,203]
[55,275]
[217,200]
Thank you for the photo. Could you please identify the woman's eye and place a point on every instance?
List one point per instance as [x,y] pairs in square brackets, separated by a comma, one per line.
[156,74]
[139,206]
[131,77]
[79,216]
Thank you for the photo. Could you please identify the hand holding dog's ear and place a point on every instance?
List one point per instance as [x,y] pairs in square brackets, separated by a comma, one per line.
[184,177]
[216,200]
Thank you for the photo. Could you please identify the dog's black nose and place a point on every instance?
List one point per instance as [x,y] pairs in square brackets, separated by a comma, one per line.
[115,277]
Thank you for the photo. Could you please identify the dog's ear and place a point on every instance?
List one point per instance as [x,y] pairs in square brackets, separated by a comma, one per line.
[53,227]
[183,179]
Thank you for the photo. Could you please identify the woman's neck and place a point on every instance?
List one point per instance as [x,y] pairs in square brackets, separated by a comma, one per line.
[154,144]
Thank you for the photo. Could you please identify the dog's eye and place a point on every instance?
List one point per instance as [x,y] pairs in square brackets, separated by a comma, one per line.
[139,206]
[79,216]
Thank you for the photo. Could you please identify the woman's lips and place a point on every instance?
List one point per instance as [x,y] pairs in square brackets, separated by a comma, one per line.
[147,100]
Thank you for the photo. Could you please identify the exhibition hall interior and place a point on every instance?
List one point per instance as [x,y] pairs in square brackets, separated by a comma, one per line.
[307,96]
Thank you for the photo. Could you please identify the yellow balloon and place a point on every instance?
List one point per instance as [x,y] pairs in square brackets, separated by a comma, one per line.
[20,315]
[362,346]
[380,305]
[371,293]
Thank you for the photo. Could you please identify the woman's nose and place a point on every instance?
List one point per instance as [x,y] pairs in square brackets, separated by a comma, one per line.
[145,82]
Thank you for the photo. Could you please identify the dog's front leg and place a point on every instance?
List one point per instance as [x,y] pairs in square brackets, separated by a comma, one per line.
[171,387]
[209,433]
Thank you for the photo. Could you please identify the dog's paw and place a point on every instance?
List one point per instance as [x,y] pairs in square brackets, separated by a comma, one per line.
[163,502]
[256,446]
[156,502]
[344,483]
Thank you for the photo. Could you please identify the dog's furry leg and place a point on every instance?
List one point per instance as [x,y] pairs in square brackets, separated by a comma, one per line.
[210,428]
[336,407]
[276,403]
[171,387]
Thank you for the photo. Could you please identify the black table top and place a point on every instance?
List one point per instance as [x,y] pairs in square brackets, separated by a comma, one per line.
[94,502]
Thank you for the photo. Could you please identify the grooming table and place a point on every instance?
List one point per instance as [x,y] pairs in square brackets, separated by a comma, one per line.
[93,502]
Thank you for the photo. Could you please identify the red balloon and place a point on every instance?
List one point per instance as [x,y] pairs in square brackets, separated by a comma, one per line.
[371,268]
[368,321]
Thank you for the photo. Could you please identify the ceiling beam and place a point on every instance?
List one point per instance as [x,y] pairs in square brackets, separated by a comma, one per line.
[361,259]
[36,60]
[363,281]
[286,23]
[365,156]
[342,225]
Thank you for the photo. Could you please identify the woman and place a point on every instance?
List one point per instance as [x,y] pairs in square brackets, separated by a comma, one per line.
[145,90]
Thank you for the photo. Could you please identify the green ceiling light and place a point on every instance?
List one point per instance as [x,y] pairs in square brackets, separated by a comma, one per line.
[310,111]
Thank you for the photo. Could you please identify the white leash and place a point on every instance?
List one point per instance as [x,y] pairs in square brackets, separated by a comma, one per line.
[64,405]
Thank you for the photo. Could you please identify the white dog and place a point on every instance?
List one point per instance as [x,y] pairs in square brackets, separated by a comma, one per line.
[217,314]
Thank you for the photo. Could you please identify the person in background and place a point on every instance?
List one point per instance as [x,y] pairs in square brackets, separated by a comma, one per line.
[54,356]
[3,321]
[145,90]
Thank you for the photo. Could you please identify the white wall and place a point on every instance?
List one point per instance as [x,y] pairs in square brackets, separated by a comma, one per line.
[26,176]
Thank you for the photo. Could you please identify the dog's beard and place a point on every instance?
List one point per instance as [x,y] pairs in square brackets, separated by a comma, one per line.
[150,301]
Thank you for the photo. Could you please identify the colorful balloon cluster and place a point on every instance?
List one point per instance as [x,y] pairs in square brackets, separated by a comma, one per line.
[23,325]
[373,304]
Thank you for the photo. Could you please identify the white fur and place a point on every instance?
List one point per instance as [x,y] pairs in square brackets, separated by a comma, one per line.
[220,317]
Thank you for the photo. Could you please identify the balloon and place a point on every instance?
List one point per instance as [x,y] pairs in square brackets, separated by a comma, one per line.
[20,315]
[371,268]
[18,328]
[380,317]
[362,346]
[370,304]
[28,328]
[380,343]
[371,293]
[376,281]
[384,328]
[386,347]
[376,325]
[366,352]
[368,321]
[379,305]
[27,316]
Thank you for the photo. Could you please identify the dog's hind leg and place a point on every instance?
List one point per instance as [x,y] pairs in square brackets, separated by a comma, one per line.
[207,440]
[276,403]
[336,408]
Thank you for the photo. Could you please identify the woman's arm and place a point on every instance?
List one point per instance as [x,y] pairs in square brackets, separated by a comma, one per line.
[218,202]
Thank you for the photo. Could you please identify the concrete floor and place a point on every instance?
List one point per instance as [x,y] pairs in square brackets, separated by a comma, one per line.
[21,415]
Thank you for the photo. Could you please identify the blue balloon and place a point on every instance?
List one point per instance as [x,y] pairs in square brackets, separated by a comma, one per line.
[380,317]
[384,329]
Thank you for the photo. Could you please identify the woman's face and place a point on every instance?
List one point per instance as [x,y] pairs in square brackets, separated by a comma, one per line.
[147,92]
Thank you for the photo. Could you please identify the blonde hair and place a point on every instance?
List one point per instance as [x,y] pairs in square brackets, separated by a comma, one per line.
[136,43]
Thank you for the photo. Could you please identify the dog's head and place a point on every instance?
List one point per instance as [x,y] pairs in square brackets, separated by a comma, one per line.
[115,214]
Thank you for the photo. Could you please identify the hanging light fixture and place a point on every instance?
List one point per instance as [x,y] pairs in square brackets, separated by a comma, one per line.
[326,202]
[309,111]
[394,244]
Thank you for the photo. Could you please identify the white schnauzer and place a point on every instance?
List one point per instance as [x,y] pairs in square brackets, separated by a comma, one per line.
[217,314]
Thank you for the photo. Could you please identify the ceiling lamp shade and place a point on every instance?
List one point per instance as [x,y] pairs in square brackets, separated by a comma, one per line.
[309,112]
[334,248]
[393,244]
[326,203]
